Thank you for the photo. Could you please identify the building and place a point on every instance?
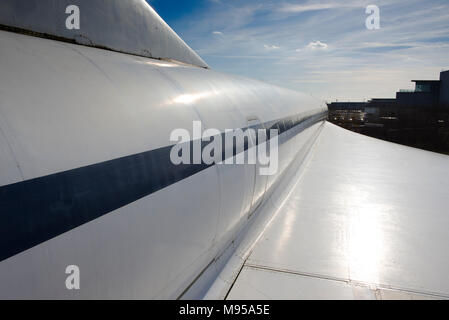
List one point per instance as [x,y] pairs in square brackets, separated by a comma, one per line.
[444,89]
[349,106]
[417,118]
[427,93]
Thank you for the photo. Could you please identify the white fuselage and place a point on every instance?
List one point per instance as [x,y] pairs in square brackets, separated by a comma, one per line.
[84,178]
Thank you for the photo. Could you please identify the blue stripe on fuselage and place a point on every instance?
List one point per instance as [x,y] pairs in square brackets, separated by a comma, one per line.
[40,209]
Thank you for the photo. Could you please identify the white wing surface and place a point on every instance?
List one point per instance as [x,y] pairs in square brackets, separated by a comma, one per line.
[367,219]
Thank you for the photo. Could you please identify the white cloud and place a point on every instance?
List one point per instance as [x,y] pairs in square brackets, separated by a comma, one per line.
[297,8]
[317,45]
[314,6]
[271,47]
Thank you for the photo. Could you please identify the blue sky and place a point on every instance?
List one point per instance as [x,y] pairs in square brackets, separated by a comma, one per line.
[319,47]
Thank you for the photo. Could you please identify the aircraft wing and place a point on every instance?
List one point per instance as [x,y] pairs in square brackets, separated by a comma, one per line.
[365,219]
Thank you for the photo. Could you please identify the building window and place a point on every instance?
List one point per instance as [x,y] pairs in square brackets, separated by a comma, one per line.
[421,87]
